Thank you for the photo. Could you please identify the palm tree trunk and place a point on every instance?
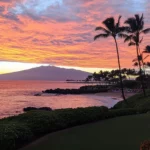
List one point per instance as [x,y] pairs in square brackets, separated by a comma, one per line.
[120,76]
[141,76]
[142,62]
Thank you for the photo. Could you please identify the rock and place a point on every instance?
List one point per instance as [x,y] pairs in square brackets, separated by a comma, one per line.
[34,108]
[45,108]
[38,94]
[29,109]
[81,90]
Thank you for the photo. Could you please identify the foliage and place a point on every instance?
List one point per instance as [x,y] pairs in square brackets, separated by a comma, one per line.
[131,84]
[137,101]
[112,75]
[19,130]
[121,133]
[135,29]
[14,134]
[114,30]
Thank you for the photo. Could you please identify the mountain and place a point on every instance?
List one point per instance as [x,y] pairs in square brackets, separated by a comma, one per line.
[46,73]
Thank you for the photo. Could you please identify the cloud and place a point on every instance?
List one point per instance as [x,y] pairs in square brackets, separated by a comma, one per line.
[57,10]
[62,31]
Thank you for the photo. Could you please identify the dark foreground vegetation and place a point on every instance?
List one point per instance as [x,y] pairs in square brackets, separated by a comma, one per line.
[17,131]
[121,133]
[81,90]
[136,102]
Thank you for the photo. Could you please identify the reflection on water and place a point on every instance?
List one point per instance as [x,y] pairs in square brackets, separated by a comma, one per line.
[15,95]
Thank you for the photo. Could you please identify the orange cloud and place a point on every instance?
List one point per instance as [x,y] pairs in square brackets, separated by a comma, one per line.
[62,32]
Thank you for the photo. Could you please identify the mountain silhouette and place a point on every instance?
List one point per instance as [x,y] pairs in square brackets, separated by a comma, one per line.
[46,73]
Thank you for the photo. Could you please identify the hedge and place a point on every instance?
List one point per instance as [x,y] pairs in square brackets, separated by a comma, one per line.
[17,131]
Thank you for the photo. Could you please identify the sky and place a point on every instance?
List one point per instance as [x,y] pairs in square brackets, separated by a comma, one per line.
[60,33]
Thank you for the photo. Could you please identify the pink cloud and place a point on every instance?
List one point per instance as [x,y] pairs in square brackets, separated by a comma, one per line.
[62,33]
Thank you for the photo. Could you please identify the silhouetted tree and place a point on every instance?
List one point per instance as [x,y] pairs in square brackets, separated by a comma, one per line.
[147,49]
[135,29]
[114,30]
[89,78]
[112,75]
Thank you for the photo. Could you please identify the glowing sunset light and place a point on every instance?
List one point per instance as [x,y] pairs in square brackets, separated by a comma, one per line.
[60,32]
[7,67]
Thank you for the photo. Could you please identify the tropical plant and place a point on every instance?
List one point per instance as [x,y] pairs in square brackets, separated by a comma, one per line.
[89,78]
[114,30]
[135,29]
[147,49]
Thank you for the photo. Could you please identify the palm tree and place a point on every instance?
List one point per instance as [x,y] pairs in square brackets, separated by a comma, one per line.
[148,64]
[147,49]
[114,30]
[89,78]
[135,29]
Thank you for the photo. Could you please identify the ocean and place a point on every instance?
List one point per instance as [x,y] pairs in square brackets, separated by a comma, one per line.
[16,95]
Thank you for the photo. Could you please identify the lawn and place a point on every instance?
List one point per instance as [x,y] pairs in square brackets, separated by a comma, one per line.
[122,133]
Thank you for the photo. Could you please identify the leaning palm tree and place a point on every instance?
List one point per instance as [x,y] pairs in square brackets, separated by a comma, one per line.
[135,29]
[114,30]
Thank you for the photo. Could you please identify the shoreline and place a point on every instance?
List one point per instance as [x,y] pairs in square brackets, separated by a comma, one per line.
[105,94]
[116,94]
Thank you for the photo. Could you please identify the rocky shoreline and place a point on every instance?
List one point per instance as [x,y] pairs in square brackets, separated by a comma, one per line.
[82,90]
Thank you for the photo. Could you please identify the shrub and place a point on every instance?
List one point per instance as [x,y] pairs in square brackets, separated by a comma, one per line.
[18,130]
[135,101]
[41,122]
[120,112]
[131,84]
[13,134]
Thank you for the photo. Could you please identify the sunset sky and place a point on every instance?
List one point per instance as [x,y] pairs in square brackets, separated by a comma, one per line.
[60,33]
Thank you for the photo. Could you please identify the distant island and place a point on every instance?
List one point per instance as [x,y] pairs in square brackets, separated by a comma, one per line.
[46,73]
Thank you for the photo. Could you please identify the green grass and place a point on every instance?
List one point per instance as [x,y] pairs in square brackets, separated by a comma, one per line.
[137,101]
[122,133]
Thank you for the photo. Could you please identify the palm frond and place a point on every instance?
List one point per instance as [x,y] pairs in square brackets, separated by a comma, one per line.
[101,36]
[138,19]
[122,35]
[147,49]
[102,29]
[128,38]
[122,29]
[135,64]
[132,24]
[134,60]
[135,39]
[145,31]
[128,30]
[129,21]
[141,40]
[118,23]
[146,57]
[131,44]
[110,24]
[142,17]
